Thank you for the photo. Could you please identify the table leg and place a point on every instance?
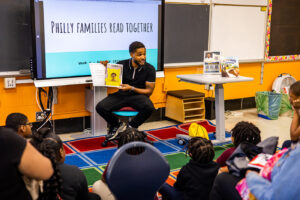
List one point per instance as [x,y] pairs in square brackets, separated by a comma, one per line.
[220,118]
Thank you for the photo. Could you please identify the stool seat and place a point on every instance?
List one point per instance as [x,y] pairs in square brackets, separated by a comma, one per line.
[126,112]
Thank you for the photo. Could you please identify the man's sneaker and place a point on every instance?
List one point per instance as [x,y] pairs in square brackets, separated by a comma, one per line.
[112,130]
[116,130]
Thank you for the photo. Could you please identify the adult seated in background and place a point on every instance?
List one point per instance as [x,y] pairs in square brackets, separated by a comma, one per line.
[19,123]
[294,95]
[129,135]
[19,157]
[138,84]
[68,181]
[284,178]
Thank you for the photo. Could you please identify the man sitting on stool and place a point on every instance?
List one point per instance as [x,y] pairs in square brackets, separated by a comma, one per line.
[138,84]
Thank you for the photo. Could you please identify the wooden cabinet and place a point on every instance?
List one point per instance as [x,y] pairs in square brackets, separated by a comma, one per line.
[185,106]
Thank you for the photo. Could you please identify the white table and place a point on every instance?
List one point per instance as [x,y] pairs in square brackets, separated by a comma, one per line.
[219,95]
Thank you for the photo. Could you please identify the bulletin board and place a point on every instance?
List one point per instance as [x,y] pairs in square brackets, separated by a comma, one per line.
[283,30]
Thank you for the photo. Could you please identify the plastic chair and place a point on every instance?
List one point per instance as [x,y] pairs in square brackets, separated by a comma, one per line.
[128,113]
[138,176]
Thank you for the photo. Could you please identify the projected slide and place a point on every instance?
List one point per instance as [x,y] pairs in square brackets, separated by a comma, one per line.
[78,32]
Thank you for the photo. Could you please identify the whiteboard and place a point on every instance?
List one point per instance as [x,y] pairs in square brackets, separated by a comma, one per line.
[242,2]
[188,1]
[238,31]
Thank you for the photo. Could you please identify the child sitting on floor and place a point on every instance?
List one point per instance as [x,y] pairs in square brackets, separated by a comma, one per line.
[19,123]
[242,132]
[294,94]
[68,181]
[196,178]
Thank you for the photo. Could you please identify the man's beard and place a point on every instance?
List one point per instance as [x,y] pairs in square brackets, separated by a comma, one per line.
[136,62]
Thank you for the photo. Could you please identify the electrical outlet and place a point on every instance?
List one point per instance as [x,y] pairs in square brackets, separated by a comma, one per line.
[10,82]
[209,87]
[39,116]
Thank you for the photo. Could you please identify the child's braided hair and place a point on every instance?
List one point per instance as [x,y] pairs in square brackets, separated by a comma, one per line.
[132,135]
[49,144]
[245,132]
[201,150]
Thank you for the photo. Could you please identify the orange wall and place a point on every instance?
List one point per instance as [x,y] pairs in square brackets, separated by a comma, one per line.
[71,101]
[236,90]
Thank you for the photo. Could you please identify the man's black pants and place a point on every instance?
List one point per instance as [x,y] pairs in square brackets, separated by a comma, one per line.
[121,99]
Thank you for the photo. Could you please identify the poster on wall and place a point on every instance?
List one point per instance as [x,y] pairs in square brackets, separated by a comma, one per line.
[283,27]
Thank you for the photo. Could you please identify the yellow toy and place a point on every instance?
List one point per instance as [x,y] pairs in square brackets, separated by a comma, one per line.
[195,130]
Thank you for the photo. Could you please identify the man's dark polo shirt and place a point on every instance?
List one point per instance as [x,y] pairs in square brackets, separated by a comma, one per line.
[137,77]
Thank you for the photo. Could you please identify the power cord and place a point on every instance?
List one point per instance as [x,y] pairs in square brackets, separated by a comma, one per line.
[48,112]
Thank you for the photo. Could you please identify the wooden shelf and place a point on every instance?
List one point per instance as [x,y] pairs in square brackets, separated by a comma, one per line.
[198,115]
[185,110]
[191,109]
[191,102]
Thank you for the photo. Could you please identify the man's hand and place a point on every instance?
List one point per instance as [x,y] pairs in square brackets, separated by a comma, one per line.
[104,62]
[126,87]
[147,91]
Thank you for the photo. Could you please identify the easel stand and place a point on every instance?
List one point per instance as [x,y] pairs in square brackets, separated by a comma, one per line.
[92,97]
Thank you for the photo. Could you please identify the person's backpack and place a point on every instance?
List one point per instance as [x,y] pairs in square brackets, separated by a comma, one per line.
[237,163]
[196,130]
[282,83]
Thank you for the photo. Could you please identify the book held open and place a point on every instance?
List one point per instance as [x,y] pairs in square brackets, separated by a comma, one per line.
[259,161]
[113,75]
[110,76]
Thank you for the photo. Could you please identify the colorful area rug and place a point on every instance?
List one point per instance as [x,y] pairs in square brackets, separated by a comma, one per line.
[91,157]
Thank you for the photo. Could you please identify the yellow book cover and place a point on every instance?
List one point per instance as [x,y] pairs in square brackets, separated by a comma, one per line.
[114,73]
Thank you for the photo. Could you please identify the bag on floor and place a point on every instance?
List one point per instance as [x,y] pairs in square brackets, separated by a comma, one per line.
[268,104]
[196,130]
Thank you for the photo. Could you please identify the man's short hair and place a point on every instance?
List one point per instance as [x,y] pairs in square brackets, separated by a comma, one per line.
[135,45]
[15,120]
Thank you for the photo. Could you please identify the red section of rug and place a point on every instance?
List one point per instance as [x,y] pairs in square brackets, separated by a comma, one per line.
[91,144]
[166,133]
[67,149]
[205,124]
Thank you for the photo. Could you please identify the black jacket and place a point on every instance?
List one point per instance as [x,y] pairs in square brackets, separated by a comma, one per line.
[195,180]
